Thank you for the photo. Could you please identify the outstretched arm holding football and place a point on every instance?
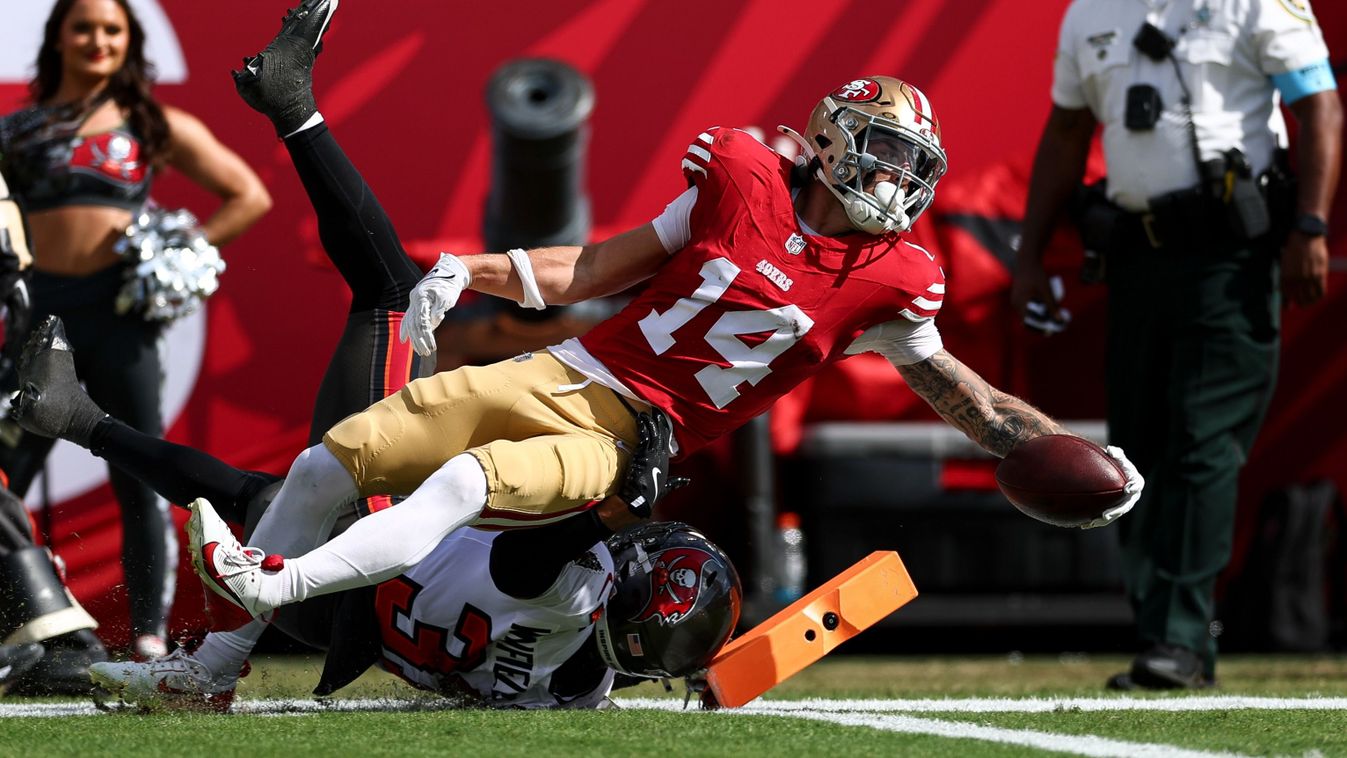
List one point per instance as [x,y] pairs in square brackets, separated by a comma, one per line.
[994,419]
[999,421]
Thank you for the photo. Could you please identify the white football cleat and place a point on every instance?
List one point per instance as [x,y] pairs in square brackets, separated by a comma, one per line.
[174,682]
[231,570]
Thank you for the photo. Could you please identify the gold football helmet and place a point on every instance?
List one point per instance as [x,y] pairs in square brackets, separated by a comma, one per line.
[877,141]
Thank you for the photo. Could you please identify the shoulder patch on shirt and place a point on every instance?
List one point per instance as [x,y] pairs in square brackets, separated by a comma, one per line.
[589,561]
[1102,39]
[1298,8]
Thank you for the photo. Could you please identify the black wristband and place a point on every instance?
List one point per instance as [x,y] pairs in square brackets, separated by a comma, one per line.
[1311,225]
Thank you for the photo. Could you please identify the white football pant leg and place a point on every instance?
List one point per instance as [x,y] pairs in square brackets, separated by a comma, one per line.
[387,543]
[307,505]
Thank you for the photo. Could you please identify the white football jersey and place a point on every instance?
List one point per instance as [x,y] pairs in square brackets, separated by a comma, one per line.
[445,624]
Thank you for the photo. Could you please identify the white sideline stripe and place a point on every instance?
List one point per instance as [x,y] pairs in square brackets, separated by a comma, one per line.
[1062,743]
[1078,744]
[1021,705]
[255,707]
[774,707]
[45,710]
[1042,705]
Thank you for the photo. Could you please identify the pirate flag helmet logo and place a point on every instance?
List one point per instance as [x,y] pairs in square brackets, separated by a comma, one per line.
[675,581]
[674,603]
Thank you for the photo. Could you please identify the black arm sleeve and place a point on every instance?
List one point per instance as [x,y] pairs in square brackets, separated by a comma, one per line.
[526,562]
[177,472]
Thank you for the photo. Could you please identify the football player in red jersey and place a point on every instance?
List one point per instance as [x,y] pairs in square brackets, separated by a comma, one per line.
[757,276]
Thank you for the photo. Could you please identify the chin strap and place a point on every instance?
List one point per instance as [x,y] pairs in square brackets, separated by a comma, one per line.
[862,215]
[807,153]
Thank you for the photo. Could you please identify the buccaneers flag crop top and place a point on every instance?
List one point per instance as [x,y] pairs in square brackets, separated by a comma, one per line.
[48,165]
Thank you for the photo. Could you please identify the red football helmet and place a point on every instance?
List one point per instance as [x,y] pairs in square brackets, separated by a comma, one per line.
[674,604]
[877,143]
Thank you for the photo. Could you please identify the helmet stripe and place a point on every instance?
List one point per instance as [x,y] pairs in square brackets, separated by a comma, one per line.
[923,106]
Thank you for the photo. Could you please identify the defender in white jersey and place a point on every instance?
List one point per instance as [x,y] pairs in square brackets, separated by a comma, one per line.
[527,618]
[457,624]
[446,626]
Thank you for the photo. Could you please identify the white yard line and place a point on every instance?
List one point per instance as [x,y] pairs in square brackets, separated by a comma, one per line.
[1020,705]
[802,707]
[1061,743]
[884,715]
[45,710]
[257,707]
[887,715]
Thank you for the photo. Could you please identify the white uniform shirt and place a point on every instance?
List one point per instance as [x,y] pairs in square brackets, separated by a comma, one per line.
[446,617]
[1227,50]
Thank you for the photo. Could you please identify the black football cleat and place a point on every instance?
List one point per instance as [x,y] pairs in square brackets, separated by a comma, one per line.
[1163,667]
[16,660]
[278,82]
[64,668]
[51,402]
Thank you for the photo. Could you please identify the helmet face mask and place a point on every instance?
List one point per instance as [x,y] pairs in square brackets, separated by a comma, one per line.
[675,601]
[877,143]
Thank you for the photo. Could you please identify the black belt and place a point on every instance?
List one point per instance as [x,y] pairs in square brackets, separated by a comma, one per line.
[1186,220]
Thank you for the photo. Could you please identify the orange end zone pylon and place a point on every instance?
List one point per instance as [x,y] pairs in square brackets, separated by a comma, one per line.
[808,629]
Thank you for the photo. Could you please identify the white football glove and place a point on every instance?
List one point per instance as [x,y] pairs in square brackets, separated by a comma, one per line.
[1133,489]
[431,298]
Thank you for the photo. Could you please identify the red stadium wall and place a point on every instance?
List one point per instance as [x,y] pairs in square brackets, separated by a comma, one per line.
[401,84]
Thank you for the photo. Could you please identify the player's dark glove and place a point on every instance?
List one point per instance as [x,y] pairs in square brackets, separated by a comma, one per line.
[648,479]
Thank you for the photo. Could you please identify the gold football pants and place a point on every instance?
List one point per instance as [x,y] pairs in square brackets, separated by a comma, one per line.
[550,441]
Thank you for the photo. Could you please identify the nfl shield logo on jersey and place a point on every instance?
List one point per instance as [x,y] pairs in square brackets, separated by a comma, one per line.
[795,244]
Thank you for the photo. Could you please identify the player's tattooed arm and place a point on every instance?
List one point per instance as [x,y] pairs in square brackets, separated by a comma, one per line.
[994,419]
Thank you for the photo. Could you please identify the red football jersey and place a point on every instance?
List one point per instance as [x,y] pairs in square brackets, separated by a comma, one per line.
[753,305]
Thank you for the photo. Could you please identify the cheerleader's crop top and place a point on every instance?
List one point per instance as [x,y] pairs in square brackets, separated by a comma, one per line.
[48,165]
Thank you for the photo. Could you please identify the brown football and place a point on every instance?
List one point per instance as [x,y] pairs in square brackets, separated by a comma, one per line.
[1061,480]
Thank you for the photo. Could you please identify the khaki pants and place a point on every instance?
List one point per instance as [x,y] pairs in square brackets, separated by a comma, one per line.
[549,441]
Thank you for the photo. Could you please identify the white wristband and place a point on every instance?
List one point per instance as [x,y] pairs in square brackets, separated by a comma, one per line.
[533,298]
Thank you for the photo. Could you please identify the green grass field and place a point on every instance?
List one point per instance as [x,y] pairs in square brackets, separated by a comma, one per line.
[992,706]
